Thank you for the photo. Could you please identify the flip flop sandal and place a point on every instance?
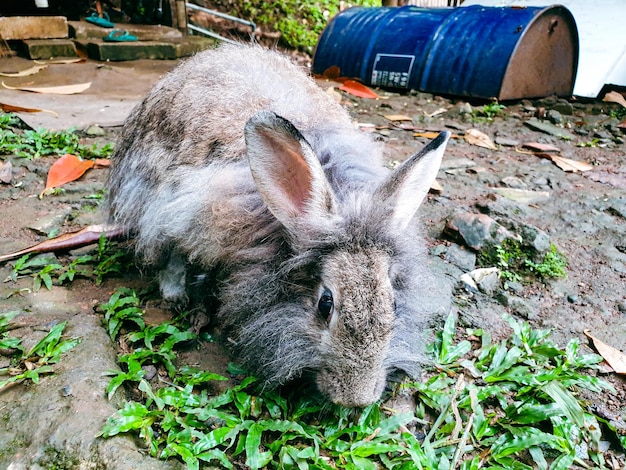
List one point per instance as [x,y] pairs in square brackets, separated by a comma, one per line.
[103,21]
[119,35]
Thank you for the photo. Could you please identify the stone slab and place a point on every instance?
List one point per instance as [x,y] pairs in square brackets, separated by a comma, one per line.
[48,48]
[85,30]
[33,27]
[98,49]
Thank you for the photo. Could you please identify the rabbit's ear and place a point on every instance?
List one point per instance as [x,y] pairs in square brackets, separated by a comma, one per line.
[287,172]
[403,191]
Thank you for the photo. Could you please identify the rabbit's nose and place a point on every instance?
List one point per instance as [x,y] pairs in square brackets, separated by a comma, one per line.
[351,390]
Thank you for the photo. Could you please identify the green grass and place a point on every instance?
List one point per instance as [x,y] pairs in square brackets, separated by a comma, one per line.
[109,259]
[518,263]
[31,364]
[508,404]
[27,143]
[300,23]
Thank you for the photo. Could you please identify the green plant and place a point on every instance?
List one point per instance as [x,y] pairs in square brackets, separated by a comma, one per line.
[41,142]
[37,361]
[511,404]
[109,260]
[488,111]
[123,306]
[516,262]
[300,23]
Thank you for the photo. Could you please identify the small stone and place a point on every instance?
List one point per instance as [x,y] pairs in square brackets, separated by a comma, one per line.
[572,298]
[487,279]
[514,182]
[95,131]
[564,107]
[523,308]
[477,230]
[548,128]
[464,259]
[534,237]
[150,371]
[554,116]
[621,306]
[506,142]
[465,108]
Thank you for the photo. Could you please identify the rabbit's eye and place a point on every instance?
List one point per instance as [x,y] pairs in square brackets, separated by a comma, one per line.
[325,305]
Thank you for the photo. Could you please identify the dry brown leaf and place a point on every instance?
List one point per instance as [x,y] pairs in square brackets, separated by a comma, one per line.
[615,97]
[59,61]
[432,135]
[11,108]
[55,90]
[436,112]
[615,358]
[572,166]
[84,237]
[334,94]
[26,72]
[539,147]
[6,172]
[480,139]
[397,117]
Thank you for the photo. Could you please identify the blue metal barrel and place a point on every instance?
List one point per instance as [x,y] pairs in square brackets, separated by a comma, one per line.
[456,51]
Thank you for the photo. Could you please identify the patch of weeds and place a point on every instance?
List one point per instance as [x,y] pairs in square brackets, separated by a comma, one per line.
[30,365]
[299,22]
[512,404]
[488,111]
[28,143]
[517,263]
[618,113]
[110,259]
[593,143]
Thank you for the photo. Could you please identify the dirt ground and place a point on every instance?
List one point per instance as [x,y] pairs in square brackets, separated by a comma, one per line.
[583,214]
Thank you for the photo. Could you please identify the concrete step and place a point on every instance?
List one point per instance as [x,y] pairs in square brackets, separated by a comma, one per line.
[84,30]
[33,27]
[173,48]
[48,48]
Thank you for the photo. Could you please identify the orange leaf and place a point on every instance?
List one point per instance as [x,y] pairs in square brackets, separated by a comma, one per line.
[615,358]
[101,162]
[11,108]
[358,89]
[65,169]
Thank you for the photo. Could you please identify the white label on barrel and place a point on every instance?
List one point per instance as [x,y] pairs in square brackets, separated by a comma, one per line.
[392,70]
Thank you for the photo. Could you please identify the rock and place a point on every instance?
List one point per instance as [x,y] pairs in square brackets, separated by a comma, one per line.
[51,223]
[548,128]
[487,279]
[554,116]
[457,163]
[477,230]
[514,182]
[95,131]
[564,107]
[465,108]
[506,142]
[464,259]
[534,237]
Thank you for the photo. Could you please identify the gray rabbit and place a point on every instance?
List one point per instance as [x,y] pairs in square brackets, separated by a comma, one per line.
[237,165]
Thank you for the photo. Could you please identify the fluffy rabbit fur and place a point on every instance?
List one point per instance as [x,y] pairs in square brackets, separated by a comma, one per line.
[237,165]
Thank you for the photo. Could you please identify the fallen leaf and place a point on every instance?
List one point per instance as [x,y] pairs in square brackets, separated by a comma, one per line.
[539,147]
[84,237]
[426,135]
[358,89]
[397,117]
[55,90]
[101,162]
[6,171]
[436,112]
[59,61]
[615,358]
[572,166]
[332,72]
[480,139]
[11,108]
[622,125]
[24,73]
[615,97]
[67,168]
[525,196]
